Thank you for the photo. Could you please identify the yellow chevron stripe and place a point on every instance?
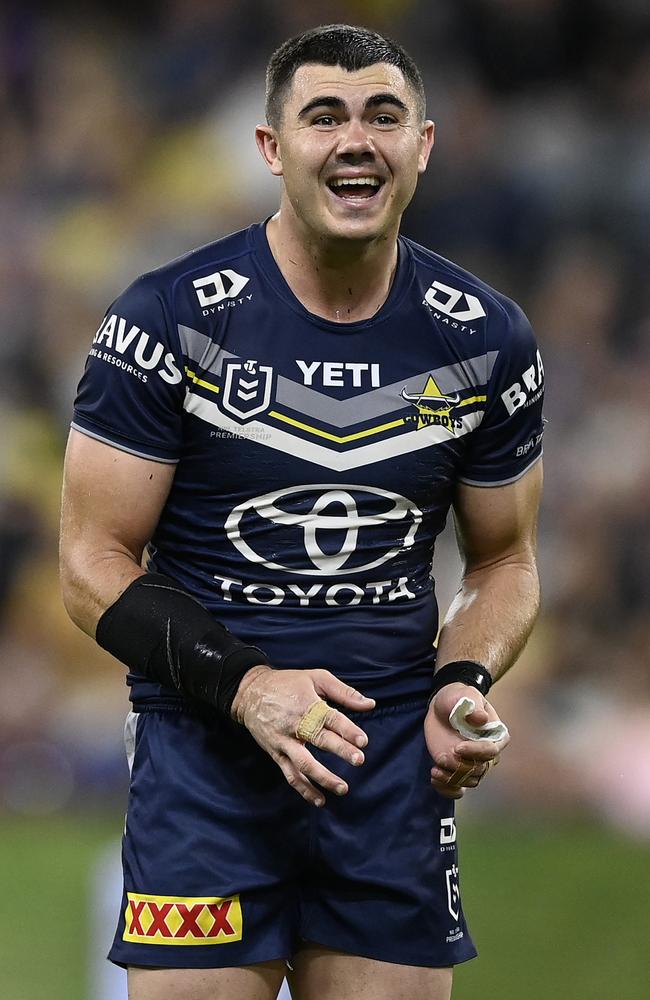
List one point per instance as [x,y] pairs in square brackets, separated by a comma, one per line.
[470,399]
[200,381]
[345,438]
[339,439]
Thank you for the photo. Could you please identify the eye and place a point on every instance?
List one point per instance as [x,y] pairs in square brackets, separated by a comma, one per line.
[326,121]
[385,119]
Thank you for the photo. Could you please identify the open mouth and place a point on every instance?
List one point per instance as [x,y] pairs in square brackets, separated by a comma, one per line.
[348,188]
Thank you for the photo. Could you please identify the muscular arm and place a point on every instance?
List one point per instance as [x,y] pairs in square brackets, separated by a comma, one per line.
[110,507]
[112,502]
[489,620]
[495,609]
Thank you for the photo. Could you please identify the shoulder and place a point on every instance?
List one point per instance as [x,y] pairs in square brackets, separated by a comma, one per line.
[159,301]
[456,292]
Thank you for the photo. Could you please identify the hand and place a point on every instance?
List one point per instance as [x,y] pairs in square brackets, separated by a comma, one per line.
[459,763]
[271,703]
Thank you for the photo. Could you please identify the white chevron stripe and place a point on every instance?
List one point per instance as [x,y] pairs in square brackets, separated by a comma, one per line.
[310,451]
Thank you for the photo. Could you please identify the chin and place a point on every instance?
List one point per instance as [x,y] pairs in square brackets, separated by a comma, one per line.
[356,230]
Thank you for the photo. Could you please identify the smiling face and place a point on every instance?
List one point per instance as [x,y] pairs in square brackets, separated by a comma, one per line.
[349,147]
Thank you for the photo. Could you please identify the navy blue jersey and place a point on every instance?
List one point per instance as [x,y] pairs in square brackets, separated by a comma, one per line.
[315,461]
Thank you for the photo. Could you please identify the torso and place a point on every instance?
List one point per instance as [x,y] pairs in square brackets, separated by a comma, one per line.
[316,461]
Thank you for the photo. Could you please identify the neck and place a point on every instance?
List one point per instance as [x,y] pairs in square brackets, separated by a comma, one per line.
[341,280]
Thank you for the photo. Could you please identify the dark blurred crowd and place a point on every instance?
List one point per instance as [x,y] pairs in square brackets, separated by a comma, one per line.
[127,140]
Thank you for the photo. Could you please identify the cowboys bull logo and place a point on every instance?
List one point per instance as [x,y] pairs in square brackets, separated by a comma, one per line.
[247,388]
[434,407]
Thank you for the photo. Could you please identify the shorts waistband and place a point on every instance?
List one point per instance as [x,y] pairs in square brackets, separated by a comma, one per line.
[388,707]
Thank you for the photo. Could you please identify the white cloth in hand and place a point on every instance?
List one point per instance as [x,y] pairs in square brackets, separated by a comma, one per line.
[494,731]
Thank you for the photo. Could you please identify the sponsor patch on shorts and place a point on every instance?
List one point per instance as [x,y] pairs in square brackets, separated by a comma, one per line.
[182,920]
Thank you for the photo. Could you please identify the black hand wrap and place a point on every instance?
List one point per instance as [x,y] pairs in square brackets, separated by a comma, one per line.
[160,631]
[462,672]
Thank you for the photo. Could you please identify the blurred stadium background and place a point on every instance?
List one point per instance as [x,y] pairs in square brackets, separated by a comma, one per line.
[127,139]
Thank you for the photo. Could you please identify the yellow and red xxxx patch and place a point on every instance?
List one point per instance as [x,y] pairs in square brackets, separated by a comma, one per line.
[182,920]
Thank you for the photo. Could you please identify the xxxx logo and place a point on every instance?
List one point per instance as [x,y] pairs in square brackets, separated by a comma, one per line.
[182,920]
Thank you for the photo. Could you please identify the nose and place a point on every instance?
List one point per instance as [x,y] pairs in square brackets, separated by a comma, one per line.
[355,140]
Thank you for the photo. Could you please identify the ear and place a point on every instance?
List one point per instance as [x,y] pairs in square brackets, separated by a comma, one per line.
[427,136]
[269,147]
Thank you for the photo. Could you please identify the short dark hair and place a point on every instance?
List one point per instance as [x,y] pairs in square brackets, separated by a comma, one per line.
[344,45]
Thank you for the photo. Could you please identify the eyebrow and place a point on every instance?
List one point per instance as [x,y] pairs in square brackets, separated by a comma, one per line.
[329,101]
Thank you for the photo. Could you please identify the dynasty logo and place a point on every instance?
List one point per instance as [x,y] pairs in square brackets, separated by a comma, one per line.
[434,407]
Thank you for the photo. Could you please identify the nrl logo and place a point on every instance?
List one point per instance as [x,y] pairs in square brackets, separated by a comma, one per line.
[247,388]
[453,891]
[434,407]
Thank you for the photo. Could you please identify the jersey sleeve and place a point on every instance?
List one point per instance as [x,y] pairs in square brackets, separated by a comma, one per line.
[131,392]
[508,441]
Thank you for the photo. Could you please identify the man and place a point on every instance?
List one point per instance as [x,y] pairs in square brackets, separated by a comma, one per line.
[282,419]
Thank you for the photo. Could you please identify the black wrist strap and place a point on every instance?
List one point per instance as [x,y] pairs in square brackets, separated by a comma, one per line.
[160,631]
[462,672]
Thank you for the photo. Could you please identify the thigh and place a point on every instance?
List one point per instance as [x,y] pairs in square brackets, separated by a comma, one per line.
[384,884]
[330,975]
[252,982]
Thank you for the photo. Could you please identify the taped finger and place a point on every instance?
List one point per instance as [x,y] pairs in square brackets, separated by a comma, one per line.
[461,773]
[445,768]
[313,720]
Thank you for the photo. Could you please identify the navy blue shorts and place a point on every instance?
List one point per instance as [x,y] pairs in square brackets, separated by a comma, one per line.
[226,865]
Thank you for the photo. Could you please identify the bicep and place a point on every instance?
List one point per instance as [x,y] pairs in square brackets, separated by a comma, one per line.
[498,523]
[111,501]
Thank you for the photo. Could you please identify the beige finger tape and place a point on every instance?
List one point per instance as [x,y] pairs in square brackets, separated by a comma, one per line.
[311,723]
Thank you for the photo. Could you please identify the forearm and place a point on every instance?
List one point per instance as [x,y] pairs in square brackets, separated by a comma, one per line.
[492,615]
[156,628]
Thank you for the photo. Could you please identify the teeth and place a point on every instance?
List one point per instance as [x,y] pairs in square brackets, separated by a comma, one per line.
[341,181]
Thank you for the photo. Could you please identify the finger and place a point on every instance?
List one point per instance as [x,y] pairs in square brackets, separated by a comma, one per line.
[314,771]
[345,728]
[474,779]
[443,768]
[451,762]
[312,721]
[478,716]
[460,776]
[478,750]
[482,770]
[331,687]
[448,791]
[298,781]
[453,788]
[442,777]
[327,740]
